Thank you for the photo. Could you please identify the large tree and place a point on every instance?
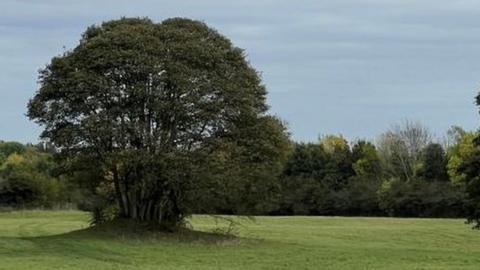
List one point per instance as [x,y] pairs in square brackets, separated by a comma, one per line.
[157,108]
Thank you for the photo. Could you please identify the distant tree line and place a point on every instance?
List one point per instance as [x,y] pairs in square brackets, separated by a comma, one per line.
[28,178]
[405,173]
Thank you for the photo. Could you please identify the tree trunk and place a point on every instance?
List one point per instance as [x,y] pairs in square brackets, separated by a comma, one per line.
[120,197]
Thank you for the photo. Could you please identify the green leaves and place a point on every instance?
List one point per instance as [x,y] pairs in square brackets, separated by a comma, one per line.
[27,177]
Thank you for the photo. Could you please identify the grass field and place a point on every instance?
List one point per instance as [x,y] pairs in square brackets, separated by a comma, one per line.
[61,240]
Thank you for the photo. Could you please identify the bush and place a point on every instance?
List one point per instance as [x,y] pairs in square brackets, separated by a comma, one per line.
[26,181]
[363,198]
[421,199]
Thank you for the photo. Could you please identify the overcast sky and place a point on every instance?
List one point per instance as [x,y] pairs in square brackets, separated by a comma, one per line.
[332,66]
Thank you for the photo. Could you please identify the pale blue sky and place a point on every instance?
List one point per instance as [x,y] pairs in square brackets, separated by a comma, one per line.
[339,66]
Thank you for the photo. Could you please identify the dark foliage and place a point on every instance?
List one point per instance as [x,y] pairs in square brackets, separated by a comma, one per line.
[361,185]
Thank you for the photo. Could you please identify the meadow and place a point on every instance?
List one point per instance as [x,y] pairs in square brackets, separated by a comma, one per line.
[63,240]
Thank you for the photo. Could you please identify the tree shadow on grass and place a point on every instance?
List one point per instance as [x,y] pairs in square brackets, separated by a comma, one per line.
[135,232]
[112,243]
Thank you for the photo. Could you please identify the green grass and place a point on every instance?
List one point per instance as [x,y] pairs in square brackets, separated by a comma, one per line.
[61,240]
